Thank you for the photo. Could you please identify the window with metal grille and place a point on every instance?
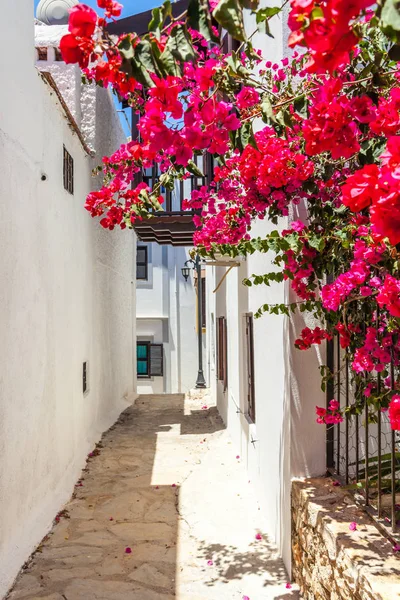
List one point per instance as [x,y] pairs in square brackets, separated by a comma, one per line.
[42,53]
[203,302]
[249,339]
[68,171]
[149,360]
[142,263]
[222,351]
[85,379]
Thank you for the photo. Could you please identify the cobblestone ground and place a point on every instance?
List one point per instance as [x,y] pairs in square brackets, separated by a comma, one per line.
[164,510]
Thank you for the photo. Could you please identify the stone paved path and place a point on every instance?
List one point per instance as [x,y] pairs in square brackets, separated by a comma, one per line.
[167,485]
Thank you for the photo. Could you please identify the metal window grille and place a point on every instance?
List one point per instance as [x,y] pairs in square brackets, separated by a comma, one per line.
[85,379]
[68,171]
[362,451]
[42,53]
[222,344]
[249,331]
[142,263]
[151,176]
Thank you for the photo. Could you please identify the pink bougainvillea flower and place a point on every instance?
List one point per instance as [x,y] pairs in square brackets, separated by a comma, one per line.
[82,21]
[396,548]
[353,526]
[210,563]
[394,412]
[128,550]
[258,536]
[288,586]
[336,483]
[157,487]
[238,457]
[245,598]
[205,407]
[173,485]
[111,519]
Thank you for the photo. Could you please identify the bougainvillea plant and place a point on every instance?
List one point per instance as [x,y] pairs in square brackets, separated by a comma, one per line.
[321,128]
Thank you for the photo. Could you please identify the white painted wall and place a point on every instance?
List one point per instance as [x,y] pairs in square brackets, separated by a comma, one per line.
[166,314]
[67,294]
[287,441]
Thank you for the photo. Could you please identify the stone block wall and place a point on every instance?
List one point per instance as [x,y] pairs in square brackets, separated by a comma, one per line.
[331,562]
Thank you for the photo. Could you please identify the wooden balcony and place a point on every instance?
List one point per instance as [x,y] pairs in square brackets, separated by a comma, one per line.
[174,228]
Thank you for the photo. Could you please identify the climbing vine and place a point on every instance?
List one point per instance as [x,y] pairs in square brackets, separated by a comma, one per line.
[320,129]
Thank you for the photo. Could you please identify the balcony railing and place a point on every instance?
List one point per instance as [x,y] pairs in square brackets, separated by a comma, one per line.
[363,453]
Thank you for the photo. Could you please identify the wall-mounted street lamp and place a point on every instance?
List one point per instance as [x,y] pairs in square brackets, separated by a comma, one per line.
[196,266]
[186,271]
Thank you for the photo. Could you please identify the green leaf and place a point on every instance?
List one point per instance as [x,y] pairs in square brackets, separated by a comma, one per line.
[228,13]
[156,21]
[263,16]
[168,181]
[317,13]
[267,13]
[168,63]
[300,105]
[283,118]
[267,110]
[125,47]
[316,242]
[194,169]
[138,61]
[199,19]
[236,66]
[179,44]
[390,18]
[247,135]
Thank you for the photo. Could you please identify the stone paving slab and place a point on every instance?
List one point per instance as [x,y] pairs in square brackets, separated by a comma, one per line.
[163,511]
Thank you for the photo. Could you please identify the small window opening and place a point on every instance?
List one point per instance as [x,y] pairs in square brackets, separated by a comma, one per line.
[142,263]
[42,53]
[85,380]
[68,172]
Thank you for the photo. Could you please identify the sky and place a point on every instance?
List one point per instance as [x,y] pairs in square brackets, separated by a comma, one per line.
[130,7]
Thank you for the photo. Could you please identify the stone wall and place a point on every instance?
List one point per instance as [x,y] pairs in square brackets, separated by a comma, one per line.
[331,562]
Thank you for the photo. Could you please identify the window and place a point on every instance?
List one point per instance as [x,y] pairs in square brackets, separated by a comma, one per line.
[42,53]
[58,55]
[68,171]
[142,359]
[149,359]
[249,332]
[85,378]
[222,349]
[141,263]
[203,302]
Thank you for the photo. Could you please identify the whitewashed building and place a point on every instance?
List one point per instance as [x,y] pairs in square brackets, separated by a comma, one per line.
[167,344]
[67,293]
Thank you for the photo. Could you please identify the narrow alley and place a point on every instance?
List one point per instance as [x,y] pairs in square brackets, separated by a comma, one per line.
[163,510]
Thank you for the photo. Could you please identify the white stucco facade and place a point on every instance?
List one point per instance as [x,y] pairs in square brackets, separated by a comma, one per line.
[67,291]
[167,314]
[284,442]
